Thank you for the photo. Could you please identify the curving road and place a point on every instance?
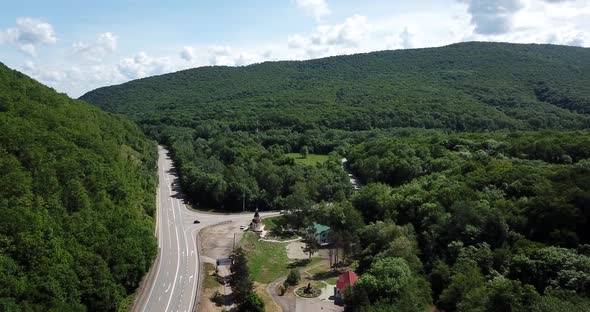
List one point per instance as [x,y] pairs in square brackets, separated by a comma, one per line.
[172,283]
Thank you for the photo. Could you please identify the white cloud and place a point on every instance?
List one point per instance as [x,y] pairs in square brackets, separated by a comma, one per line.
[316,8]
[105,43]
[227,56]
[29,66]
[246,58]
[220,50]
[492,17]
[539,21]
[350,33]
[187,54]
[332,39]
[33,31]
[44,74]
[27,34]
[403,40]
[570,37]
[220,55]
[297,41]
[28,49]
[142,65]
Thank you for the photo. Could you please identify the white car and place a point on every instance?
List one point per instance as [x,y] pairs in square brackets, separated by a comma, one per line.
[242,227]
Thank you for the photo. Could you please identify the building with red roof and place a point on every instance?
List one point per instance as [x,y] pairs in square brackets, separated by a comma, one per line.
[346,279]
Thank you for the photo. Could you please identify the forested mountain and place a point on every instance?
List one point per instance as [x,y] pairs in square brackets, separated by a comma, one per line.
[474,162]
[463,87]
[227,124]
[77,190]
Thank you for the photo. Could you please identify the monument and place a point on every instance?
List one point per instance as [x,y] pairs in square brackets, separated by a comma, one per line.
[256,224]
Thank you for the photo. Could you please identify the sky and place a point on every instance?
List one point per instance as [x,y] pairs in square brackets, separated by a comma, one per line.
[76,46]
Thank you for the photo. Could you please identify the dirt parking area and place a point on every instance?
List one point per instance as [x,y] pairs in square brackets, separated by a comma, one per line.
[218,241]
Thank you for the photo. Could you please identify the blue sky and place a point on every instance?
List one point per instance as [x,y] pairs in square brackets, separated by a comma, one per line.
[75,46]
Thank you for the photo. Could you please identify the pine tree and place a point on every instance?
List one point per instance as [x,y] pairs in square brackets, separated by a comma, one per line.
[239,281]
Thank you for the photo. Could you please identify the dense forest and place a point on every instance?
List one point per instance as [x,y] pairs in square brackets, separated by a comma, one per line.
[461,87]
[474,160]
[77,188]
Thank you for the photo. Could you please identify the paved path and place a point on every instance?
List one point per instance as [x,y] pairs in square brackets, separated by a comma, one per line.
[281,241]
[172,283]
[286,301]
[354,181]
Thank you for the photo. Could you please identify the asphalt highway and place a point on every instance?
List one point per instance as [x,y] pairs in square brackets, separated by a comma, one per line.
[172,282]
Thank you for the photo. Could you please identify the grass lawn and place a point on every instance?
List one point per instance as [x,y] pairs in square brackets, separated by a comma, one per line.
[209,282]
[324,273]
[269,261]
[311,160]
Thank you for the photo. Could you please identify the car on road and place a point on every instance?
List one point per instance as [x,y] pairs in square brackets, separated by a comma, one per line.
[196,222]
[242,227]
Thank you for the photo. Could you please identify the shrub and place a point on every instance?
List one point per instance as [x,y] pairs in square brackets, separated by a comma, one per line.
[293,278]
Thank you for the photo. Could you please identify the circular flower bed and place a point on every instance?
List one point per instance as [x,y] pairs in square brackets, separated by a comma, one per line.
[312,293]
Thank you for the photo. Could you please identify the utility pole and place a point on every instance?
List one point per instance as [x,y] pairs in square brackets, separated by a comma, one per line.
[234,247]
[244,200]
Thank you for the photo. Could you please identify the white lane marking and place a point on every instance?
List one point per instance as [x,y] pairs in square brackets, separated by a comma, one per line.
[177,262]
[169,228]
[180,209]
[195,281]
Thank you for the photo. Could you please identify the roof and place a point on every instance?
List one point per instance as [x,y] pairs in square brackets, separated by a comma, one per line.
[346,279]
[319,228]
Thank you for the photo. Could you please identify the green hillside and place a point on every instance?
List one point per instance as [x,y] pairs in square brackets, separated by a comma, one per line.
[463,87]
[77,190]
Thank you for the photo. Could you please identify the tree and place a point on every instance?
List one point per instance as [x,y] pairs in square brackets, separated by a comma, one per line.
[390,280]
[311,244]
[373,201]
[467,277]
[355,299]
[239,280]
[252,303]
[304,151]
[293,277]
